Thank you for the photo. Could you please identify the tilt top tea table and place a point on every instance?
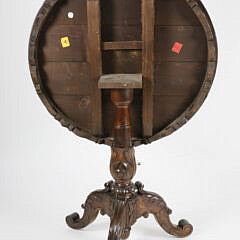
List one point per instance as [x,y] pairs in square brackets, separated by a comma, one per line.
[123,73]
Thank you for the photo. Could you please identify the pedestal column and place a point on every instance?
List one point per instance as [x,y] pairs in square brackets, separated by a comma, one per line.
[123,164]
[123,201]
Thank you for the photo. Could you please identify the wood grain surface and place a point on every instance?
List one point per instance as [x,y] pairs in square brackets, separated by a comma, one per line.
[123,37]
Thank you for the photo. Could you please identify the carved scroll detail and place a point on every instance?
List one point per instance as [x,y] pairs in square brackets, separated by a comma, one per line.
[152,203]
[123,164]
[97,201]
[124,212]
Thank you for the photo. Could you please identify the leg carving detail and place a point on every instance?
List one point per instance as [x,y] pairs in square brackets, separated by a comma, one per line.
[96,201]
[154,204]
[125,215]
[183,229]
[124,212]
[117,225]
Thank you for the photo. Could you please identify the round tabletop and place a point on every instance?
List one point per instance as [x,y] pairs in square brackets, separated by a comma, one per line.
[170,44]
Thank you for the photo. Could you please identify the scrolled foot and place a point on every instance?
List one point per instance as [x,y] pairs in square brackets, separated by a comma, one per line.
[96,201]
[154,204]
[74,221]
[183,229]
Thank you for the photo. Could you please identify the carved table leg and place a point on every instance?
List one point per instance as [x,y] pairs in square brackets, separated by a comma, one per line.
[117,225]
[152,203]
[97,201]
[183,229]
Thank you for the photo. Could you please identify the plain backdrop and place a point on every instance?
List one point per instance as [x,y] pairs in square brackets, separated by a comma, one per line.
[46,172]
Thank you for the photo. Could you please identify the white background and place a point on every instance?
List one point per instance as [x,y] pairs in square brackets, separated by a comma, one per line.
[47,172]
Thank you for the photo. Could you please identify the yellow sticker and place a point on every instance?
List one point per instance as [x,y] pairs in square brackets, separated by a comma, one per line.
[65,42]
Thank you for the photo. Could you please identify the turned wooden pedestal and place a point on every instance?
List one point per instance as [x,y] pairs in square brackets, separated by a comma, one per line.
[122,200]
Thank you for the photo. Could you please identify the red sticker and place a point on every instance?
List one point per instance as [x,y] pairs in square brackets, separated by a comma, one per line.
[177,47]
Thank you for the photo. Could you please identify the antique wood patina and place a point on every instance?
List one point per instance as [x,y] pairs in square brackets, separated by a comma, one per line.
[149,63]
[123,201]
[123,37]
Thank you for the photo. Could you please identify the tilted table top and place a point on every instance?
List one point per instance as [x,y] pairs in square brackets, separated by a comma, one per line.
[166,50]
